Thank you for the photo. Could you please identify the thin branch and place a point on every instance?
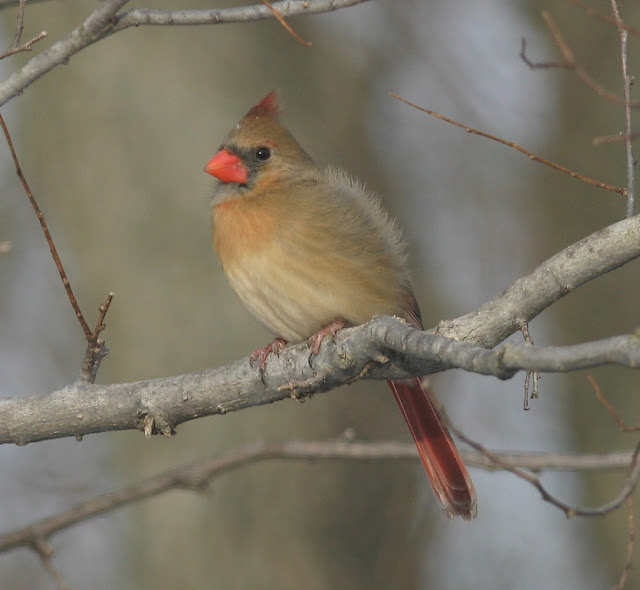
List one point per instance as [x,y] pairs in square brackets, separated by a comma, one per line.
[285,24]
[105,20]
[96,349]
[45,552]
[616,189]
[605,17]
[570,511]
[540,462]
[627,110]
[571,63]
[19,24]
[198,476]
[624,427]
[94,27]
[631,543]
[26,47]
[47,234]
[604,139]
[529,375]
[541,65]
[8,3]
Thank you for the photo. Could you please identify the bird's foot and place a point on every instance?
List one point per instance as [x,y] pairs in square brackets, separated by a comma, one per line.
[261,354]
[329,330]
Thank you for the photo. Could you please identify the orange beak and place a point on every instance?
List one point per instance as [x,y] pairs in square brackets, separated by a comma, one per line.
[227,167]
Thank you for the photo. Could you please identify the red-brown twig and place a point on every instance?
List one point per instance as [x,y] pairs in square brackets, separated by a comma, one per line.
[570,62]
[609,187]
[96,350]
[47,234]
[605,17]
[610,409]
[285,24]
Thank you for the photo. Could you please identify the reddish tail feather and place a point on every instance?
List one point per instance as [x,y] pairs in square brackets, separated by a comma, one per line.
[447,474]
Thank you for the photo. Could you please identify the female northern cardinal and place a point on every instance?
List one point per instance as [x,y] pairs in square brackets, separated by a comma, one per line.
[309,251]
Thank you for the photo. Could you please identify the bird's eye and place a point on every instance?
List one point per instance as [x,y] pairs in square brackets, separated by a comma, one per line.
[263,153]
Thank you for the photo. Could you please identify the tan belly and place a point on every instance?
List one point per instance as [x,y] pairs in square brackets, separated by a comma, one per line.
[287,309]
[293,278]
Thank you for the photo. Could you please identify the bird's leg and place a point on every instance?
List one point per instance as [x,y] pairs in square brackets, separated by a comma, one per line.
[261,354]
[329,330]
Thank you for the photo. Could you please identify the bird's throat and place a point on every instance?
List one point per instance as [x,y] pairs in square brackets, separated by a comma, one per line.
[241,227]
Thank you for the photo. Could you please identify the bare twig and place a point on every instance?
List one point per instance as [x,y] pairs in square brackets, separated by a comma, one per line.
[285,24]
[15,47]
[569,510]
[631,543]
[96,349]
[570,62]
[47,234]
[627,110]
[604,139]
[8,3]
[26,47]
[44,550]
[605,17]
[105,20]
[541,65]
[610,409]
[616,189]
[19,24]
[104,308]
[529,375]
[198,476]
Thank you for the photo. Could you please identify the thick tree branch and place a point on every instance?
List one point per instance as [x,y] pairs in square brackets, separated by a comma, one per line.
[383,348]
[591,257]
[105,20]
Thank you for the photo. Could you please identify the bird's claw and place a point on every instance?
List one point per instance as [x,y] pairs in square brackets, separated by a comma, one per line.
[317,339]
[261,354]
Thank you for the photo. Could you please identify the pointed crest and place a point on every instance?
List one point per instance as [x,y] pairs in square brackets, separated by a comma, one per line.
[262,126]
[268,106]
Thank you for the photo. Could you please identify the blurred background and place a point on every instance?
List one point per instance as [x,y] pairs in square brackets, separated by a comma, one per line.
[114,143]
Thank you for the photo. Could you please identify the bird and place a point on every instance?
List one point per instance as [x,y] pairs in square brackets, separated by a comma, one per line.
[309,250]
